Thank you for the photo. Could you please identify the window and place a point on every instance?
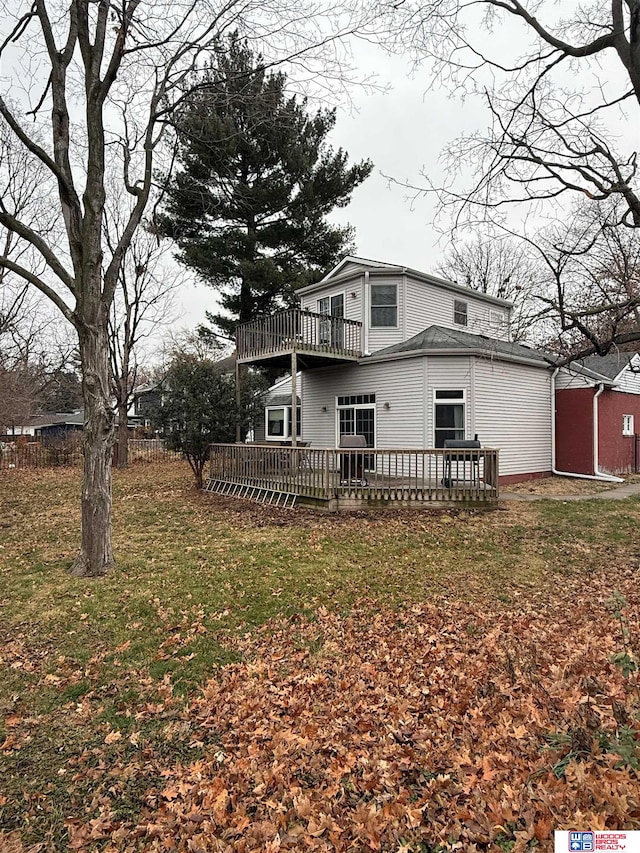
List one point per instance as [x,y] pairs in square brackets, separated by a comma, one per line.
[278,423]
[356,415]
[384,305]
[357,400]
[333,305]
[448,416]
[496,318]
[627,425]
[459,312]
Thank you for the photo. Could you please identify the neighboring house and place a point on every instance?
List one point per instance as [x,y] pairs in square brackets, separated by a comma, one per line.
[50,426]
[598,415]
[146,403]
[409,360]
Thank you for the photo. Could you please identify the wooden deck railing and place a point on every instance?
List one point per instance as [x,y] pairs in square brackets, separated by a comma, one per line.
[326,473]
[297,330]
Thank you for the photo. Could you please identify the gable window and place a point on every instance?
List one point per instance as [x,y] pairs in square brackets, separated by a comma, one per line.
[459,312]
[627,425]
[384,305]
[278,423]
[448,416]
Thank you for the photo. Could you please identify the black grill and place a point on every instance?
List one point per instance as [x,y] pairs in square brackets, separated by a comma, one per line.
[455,463]
[352,464]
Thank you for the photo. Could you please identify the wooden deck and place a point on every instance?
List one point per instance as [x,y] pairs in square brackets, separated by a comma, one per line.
[319,337]
[347,479]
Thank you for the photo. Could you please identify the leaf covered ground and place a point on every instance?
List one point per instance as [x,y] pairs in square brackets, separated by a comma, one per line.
[253,680]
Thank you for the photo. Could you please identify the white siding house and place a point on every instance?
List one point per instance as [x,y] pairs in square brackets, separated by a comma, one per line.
[512,404]
[508,405]
[437,363]
[394,303]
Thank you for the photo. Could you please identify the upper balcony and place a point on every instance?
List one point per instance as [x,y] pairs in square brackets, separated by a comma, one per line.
[316,339]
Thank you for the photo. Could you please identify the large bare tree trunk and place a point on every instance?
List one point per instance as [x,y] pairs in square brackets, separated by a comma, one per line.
[96,554]
[81,47]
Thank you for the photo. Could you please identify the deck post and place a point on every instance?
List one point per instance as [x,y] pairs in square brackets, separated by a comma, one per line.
[238,401]
[294,399]
[327,473]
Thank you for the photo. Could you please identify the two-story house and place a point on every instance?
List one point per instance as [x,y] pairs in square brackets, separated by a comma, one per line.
[408,360]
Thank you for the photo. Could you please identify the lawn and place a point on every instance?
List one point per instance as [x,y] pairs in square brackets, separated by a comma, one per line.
[252,679]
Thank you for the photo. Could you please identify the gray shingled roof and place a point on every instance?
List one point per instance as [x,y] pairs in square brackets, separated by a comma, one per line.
[608,365]
[439,338]
[280,400]
[56,419]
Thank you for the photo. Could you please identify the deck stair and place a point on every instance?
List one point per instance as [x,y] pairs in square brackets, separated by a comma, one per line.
[262,495]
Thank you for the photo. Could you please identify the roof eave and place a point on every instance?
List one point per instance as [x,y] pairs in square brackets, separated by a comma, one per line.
[454,351]
[635,361]
[334,277]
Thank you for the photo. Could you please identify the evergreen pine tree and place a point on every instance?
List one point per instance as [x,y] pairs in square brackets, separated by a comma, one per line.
[248,206]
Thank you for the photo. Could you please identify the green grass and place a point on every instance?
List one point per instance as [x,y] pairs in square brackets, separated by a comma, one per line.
[84,658]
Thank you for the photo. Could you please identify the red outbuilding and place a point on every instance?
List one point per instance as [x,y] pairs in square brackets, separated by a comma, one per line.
[598,416]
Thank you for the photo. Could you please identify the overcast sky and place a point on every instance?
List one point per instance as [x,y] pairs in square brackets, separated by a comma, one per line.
[403,131]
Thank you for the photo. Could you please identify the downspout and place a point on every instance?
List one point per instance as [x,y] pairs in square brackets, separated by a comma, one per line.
[597,475]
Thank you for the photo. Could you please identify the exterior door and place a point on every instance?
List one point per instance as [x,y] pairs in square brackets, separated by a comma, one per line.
[448,416]
[357,416]
[331,330]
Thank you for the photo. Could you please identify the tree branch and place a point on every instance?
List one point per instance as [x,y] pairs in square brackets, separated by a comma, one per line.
[36,281]
[39,244]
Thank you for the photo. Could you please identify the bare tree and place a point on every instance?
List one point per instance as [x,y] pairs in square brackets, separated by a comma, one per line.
[593,273]
[500,266]
[143,300]
[562,87]
[20,179]
[34,350]
[17,397]
[97,82]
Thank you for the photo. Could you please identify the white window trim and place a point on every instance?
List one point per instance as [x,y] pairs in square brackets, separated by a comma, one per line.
[460,400]
[331,296]
[357,406]
[287,423]
[497,318]
[628,425]
[373,284]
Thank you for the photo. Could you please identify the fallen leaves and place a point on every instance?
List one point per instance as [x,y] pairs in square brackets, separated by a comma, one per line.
[392,724]
[113,737]
[401,730]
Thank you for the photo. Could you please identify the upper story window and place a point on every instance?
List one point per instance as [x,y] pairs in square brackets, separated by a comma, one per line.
[331,329]
[460,312]
[384,305]
[332,305]
[496,318]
